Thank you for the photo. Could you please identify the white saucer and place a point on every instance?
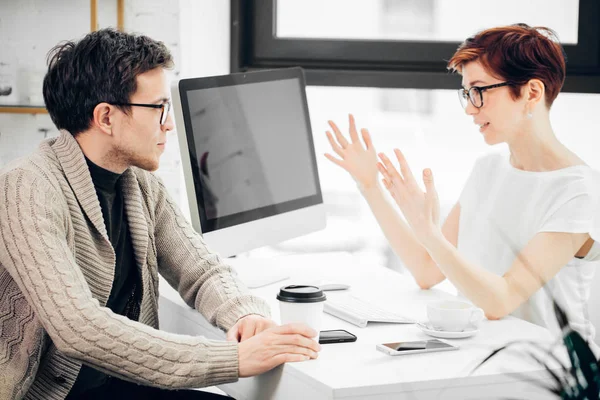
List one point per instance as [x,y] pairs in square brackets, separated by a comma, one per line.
[431,331]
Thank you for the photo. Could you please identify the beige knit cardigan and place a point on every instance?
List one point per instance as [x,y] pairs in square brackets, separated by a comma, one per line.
[56,273]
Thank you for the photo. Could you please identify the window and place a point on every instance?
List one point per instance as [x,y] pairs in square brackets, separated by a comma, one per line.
[416,20]
[400,43]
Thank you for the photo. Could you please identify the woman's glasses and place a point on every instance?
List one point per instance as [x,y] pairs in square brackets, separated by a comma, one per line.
[475,94]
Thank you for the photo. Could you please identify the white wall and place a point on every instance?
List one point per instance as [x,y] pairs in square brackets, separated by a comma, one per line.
[28,30]
[205,35]
[196,33]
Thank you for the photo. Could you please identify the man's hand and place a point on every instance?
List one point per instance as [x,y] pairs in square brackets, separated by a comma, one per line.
[248,326]
[275,346]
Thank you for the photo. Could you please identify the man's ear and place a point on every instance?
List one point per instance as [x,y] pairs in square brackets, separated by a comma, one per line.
[103,117]
[535,92]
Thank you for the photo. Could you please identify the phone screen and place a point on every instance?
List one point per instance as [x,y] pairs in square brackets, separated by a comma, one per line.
[419,345]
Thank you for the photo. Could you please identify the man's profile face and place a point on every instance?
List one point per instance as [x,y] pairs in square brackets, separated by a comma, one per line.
[140,140]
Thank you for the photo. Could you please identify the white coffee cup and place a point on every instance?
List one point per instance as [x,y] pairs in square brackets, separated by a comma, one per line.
[453,315]
[303,304]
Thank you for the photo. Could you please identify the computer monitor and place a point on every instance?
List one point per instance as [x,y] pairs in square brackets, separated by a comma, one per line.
[248,158]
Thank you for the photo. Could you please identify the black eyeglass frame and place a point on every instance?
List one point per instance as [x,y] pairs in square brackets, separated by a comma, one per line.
[464,94]
[166,107]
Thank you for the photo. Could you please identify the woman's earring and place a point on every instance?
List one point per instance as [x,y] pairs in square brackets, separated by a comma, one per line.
[529,115]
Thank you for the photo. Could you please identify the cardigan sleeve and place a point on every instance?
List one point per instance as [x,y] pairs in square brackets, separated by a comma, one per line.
[202,278]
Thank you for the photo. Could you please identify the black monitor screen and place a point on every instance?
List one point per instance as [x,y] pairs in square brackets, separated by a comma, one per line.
[250,145]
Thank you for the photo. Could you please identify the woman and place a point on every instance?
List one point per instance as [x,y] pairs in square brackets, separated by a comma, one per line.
[522,221]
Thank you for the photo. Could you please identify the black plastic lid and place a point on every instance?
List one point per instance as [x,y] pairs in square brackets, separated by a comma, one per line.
[301,294]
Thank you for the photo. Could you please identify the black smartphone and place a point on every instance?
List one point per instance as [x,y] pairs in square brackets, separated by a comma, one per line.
[336,336]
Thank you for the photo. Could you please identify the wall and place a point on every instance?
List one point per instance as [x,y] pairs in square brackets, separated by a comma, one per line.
[29,29]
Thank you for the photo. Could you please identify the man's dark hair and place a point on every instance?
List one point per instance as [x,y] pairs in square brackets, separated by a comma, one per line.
[101,67]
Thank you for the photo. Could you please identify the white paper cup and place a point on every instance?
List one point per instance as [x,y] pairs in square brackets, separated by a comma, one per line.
[453,315]
[302,304]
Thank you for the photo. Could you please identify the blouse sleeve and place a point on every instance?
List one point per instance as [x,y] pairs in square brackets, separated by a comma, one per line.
[572,216]
[577,211]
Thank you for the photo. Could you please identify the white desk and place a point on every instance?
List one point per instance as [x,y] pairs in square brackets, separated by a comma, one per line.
[356,370]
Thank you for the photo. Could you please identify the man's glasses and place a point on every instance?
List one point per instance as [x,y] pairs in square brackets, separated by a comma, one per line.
[475,94]
[166,107]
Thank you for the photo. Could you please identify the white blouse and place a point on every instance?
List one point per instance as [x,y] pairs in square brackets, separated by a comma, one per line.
[503,208]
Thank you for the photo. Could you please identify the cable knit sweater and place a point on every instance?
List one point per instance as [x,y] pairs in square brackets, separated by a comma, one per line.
[56,273]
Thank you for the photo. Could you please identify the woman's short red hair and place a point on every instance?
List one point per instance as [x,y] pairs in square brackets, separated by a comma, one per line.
[516,53]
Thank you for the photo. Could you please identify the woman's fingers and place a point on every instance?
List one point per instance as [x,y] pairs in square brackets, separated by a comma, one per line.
[338,135]
[384,172]
[431,196]
[340,143]
[353,132]
[335,160]
[367,138]
[336,147]
[387,184]
[390,170]
[428,181]
[404,168]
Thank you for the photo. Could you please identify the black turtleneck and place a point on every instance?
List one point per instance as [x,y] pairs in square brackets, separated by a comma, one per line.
[124,297]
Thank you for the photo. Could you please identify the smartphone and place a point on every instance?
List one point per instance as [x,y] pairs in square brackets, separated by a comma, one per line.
[336,336]
[421,346]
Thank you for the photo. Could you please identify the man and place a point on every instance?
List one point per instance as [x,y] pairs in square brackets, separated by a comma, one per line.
[84,231]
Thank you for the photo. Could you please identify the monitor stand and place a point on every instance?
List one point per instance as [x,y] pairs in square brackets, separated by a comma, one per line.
[257,272]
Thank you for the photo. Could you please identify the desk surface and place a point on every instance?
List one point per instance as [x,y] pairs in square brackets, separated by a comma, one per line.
[356,370]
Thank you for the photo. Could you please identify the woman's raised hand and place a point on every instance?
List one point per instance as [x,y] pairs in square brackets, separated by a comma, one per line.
[360,161]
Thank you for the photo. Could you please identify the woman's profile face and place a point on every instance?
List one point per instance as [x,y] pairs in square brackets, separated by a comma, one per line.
[501,117]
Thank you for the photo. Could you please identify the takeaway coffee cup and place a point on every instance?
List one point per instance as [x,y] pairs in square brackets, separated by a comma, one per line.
[453,315]
[302,303]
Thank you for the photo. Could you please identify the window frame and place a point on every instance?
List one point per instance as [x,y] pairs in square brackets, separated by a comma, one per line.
[384,63]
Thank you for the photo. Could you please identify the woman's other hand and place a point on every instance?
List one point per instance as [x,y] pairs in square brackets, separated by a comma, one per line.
[421,210]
